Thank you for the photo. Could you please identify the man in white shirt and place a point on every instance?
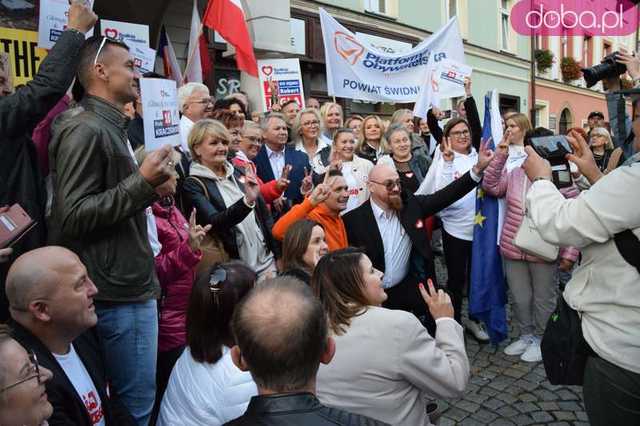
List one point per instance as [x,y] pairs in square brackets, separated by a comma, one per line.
[400,248]
[195,104]
[51,304]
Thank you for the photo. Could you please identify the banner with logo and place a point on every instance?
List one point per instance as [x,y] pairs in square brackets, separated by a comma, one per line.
[358,70]
[280,81]
[160,113]
[53,21]
[24,56]
[126,32]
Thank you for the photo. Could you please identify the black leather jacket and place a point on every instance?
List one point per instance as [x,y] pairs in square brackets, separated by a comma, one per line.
[99,201]
[295,410]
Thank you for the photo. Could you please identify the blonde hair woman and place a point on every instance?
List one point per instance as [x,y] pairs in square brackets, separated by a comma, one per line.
[306,132]
[607,157]
[332,119]
[371,142]
[228,199]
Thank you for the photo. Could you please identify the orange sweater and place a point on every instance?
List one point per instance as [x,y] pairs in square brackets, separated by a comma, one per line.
[334,231]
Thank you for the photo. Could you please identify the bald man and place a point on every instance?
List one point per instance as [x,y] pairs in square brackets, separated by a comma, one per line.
[51,304]
[390,228]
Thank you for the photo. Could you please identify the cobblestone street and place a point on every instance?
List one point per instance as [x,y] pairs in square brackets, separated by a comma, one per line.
[503,390]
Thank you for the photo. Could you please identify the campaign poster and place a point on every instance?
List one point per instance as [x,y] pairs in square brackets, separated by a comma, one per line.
[280,81]
[53,21]
[160,113]
[449,78]
[130,34]
[144,58]
[23,54]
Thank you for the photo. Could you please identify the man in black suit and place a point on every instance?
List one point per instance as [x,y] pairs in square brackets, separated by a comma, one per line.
[390,228]
[51,304]
[275,154]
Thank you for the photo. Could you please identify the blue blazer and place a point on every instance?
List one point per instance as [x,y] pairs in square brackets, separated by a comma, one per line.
[297,159]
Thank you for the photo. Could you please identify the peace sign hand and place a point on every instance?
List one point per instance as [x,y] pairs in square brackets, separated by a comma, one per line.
[196,232]
[251,186]
[307,183]
[447,151]
[284,181]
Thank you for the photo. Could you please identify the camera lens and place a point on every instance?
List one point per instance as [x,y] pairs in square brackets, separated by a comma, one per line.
[608,68]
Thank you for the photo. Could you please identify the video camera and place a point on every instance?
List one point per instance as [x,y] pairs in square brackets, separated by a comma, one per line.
[554,149]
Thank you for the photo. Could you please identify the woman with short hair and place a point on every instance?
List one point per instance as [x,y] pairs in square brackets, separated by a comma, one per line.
[386,364]
[229,200]
[305,132]
[412,165]
[303,246]
[205,387]
[606,156]
[332,120]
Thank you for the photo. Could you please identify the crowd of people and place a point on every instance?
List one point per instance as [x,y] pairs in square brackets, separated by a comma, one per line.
[279,268]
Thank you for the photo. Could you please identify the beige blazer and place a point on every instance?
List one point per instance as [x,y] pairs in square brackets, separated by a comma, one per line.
[604,288]
[386,365]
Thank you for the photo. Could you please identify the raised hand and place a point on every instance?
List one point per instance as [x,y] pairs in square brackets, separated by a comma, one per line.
[81,17]
[582,157]
[157,167]
[439,302]
[503,146]
[307,183]
[320,193]
[251,186]
[536,166]
[631,60]
[485,155]
[284,181]
[196,232]
[447,151]
[467,86]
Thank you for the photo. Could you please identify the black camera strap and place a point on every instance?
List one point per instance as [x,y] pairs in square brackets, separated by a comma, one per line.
[621,132]
[629,247]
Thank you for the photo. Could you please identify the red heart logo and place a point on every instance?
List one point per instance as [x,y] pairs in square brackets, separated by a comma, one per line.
[111,32]
[419,224]
[267,70]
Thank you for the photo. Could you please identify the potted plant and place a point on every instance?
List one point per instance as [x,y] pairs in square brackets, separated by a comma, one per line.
[570,69]
[544,59]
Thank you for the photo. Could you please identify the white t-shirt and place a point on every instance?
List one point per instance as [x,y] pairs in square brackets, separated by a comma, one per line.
[81,380]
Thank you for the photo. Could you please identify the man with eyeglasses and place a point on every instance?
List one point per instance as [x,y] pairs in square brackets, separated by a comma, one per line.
[390,227]
[51,304]
[20,112]
[23,400]
[195,103]
[99,211]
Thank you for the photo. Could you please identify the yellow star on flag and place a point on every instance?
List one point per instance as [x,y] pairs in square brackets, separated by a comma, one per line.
[480,193]
[479,219]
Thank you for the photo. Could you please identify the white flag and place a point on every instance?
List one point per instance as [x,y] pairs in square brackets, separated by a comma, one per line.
[358,70]
[193,70]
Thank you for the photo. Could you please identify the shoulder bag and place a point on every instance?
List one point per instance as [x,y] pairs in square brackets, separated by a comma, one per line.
[211,247]
[528,238]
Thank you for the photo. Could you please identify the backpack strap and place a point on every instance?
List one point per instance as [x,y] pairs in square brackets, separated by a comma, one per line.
[629,247]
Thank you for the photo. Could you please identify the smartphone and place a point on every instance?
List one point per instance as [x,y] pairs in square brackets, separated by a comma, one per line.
[14,224]
[554,149]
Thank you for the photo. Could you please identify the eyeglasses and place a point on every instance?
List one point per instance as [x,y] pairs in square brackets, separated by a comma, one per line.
[460,133]
[311,123]
[204,101]
[217,276]
[389,183]
[34,372]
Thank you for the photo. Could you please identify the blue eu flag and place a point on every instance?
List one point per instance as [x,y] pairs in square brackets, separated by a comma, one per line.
[488,297]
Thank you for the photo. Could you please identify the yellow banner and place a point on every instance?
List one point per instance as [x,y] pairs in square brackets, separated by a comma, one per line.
[24,54]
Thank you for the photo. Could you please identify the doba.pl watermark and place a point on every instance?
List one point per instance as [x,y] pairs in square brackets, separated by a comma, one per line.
[574,17]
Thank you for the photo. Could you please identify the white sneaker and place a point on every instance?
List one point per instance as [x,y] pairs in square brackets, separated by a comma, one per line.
[533,352]
[477,330]
[519,346]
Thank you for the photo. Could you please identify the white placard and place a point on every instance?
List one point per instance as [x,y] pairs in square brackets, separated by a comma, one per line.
[144,58]
[449,79]
[160,113]
[53,21]
[126,32]
[281,79]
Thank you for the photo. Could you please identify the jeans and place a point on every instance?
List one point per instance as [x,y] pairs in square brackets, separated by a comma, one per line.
[129,331]
[611,394]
